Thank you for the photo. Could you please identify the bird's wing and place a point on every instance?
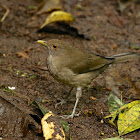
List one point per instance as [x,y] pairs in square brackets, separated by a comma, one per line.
[85,62]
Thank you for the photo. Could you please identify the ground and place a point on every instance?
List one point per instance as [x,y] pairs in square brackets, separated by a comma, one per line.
[22,59]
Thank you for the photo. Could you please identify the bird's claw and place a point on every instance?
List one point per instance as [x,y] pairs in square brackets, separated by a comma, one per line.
[60,103]
[70,116]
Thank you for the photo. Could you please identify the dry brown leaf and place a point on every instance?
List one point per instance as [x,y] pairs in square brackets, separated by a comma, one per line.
[93,98]
[108,88]
[117,21]
[28,49]
[22,54]
[48,5]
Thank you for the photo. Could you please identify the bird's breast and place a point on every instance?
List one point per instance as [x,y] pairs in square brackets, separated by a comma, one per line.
[58,71]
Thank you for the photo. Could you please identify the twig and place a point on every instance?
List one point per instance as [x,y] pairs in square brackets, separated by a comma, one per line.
[6,13]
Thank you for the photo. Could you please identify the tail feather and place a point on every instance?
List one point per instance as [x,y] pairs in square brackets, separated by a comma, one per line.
[124,57]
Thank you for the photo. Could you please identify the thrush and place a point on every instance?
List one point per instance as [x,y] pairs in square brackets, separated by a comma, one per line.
[78,68]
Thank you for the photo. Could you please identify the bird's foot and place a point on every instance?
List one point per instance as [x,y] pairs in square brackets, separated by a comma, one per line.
[60,103]
[70,116]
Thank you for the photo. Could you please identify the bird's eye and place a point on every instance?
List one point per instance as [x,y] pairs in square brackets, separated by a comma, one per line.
[54,46]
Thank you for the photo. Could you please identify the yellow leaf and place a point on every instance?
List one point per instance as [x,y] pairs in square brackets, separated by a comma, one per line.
[129,120]
[52,128]
[126,106]
[133,103]
[58,16]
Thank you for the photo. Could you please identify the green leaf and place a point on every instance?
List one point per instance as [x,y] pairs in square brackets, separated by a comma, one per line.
[135,47]
[7,89]
[33,76]
[31,7]
[17,72]
[24,74]
[116,113]
[65,125]
[42,108]
[114,103]
[39,62]
[129,120]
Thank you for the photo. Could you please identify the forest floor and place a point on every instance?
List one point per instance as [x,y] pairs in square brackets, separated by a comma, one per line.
[21,57]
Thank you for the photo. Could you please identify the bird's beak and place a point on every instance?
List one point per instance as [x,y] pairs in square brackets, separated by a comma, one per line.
[42,42]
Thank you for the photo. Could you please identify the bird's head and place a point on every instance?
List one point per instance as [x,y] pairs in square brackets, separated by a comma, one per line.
[56,46]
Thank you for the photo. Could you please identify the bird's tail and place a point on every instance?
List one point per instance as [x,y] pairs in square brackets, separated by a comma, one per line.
[124,57]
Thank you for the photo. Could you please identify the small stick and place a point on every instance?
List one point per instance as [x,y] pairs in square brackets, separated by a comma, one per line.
[6,13]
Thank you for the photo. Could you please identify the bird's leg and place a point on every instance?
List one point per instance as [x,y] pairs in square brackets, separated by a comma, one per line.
[69,93]
[78,96]
[64,100]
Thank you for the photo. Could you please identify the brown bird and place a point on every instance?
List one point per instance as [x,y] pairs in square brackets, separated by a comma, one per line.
[78,68]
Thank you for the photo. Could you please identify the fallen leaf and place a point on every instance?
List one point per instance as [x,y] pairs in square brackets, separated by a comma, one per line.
[135,47]
[65,125]
[93,98]
[117,21]
[129,120]
[41,108]
[24,74]
[22,54]
[119,110]
[48,5]
[52,128]
[108,88]
[28,49]
[129,105]
[8,89]
[58,16]
[114,103]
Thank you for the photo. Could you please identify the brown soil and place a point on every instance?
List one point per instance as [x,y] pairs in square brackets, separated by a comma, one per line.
[110,32]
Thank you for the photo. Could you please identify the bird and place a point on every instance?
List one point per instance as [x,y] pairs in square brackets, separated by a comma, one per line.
[78,68]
